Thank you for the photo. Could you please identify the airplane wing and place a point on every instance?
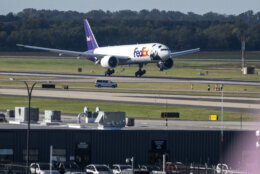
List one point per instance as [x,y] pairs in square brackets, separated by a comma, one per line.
[87,54]
[174,54]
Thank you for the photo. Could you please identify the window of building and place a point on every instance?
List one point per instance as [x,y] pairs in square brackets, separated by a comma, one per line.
[82,154]
[6,155]
[33,155]
[155,155]
[59,155]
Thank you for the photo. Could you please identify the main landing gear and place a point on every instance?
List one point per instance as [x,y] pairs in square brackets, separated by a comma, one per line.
[140,72]
[109,72]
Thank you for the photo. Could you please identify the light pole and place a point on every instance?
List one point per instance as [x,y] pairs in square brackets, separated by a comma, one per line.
[29,121]
[222,132]
[257,144]
[132,160]
[257,133]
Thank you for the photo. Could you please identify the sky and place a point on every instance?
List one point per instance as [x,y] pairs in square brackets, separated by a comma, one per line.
[197,6]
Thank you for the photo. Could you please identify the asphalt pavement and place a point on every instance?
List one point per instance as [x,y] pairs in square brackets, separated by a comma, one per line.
[230,103]
[78,77]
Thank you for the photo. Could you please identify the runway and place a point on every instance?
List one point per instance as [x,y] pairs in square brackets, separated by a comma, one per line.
[236,104]
[81,78]
[240,104]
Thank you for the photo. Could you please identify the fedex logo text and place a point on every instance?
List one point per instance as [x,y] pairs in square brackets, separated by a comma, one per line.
[141,53]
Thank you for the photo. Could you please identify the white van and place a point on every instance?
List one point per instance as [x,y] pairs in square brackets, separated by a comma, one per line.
[105,83]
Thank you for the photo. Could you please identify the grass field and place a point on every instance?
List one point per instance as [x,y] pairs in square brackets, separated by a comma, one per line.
[215,69]
[150,88]
[132,110]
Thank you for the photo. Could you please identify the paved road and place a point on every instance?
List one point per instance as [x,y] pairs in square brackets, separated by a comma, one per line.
[72,77]
[140,124]
[196,125]
[231,103]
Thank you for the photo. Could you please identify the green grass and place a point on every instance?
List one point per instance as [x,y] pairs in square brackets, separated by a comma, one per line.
[132,110]
[216,69]
[152,86]
[155,88]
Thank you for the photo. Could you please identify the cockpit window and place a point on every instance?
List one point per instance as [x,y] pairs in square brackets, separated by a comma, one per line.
[165,49]
[153,45]
[159,46]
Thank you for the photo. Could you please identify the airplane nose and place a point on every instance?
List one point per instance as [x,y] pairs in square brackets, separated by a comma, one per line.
[161,53]
[165,55]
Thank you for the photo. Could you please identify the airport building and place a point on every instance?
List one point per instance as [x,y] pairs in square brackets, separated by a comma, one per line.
[113,146]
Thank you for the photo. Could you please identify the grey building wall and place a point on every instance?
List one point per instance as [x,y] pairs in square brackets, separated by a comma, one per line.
[114,146]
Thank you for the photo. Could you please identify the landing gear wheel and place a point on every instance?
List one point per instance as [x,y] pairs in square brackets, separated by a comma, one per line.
[140,72]
[109,72]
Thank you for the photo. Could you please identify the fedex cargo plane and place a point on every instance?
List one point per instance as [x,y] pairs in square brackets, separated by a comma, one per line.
[111,56]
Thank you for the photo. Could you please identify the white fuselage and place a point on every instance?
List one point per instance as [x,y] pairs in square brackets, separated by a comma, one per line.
[139,53]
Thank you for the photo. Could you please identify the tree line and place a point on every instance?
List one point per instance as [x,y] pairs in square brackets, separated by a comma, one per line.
[64,30]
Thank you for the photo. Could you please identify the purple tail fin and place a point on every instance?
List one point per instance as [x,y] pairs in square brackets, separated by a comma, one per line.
[90,38]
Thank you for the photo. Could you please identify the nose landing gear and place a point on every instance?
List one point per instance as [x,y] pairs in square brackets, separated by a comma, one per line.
[140,72]
[109,72]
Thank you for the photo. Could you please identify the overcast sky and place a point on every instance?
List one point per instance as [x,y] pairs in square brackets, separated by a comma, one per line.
[196,6]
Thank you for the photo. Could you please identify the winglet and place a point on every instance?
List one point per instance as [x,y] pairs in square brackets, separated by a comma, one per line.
[20,45]
[90,38]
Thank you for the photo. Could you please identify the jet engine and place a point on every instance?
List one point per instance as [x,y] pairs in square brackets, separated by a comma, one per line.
[164,65]
[109,62]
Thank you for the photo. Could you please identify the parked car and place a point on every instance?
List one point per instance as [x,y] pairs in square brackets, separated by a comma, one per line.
[69,167]
[2,117]
[105,83]
[177,167]
[42,168]
[3,171]
[118,168]
[13,168]
[98,169]
[136,171]
[150,168]
[16,168]
[222,168]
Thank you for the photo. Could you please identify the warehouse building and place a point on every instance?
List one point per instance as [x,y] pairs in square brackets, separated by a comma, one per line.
[114,146]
